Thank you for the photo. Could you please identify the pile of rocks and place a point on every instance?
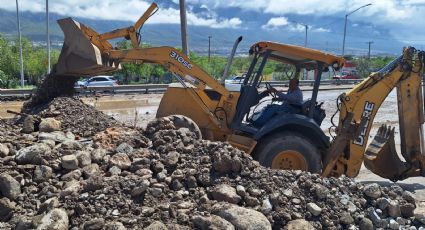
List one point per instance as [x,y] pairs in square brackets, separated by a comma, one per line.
[164,177]
[75,116]
[51,87]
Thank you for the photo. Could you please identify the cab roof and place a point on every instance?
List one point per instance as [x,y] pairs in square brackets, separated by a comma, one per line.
[296,55]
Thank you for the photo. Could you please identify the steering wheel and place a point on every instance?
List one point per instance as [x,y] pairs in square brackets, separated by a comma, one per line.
[269,88]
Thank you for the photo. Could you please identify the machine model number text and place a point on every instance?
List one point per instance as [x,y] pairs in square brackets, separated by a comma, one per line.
[180,59]
[367,112]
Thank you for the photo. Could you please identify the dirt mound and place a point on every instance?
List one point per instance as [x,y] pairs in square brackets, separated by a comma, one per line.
[169,179]
[51,87]
[75,116]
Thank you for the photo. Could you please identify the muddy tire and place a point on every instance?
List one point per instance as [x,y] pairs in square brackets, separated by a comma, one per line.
[181,121]
[290,151]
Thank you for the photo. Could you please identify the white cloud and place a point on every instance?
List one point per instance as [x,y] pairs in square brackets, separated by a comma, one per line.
[275,23]
[321,30]
[380,10]
[297,27]
[121,10]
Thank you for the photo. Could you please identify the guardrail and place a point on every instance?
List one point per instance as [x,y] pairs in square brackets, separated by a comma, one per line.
[149,88]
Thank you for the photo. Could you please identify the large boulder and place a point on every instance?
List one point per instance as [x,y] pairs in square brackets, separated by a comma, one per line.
[299,224]
[4,150]
[6,208]
[28,124]
[372,190]
[49,125]
[241,218]
[9,187]
[56,136]
[94,224]
[42,173]
[121,160]
[314,209]
[156,225]
[32,154]
[224,192]
[69,162]
[57,219]
[211,222]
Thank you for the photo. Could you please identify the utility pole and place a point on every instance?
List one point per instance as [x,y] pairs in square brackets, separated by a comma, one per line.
[345,25]
[183,25]
[209,48]
[368,53]
[20,45]
[48,36]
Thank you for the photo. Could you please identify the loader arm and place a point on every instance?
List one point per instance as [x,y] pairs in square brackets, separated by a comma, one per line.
[357,111]
[179,64]
[86,52]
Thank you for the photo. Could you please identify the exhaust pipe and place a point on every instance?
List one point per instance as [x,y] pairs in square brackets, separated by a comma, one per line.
[230,60]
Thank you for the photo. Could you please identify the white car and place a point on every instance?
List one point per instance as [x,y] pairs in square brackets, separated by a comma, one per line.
[234,83]
[235,80]
[98,81]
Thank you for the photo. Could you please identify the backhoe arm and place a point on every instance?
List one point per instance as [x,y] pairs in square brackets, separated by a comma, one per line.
[357,110]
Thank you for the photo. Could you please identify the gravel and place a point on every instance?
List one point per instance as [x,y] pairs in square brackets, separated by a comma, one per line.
[165,178]
[74,116]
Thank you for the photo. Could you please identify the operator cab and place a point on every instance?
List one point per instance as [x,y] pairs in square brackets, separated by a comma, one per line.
[299,57]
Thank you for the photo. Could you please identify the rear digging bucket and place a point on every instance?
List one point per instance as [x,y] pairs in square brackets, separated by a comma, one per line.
[381,156]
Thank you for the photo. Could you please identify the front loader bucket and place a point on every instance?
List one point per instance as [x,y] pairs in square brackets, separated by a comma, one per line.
[381,156]
[79,56]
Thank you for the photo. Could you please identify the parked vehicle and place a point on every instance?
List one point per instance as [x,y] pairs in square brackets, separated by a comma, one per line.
[347,75]
[98,81]
[235,80]
[234,83]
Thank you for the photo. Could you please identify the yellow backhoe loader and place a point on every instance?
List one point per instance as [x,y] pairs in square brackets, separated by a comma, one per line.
[288,140]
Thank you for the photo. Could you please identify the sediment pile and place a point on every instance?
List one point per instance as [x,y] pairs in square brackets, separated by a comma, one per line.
[75,116]
[164,177]
[51,87]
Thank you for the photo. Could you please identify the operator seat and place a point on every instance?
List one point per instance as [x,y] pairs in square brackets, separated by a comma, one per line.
[248,98]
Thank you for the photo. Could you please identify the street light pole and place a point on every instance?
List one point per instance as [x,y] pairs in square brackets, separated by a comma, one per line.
[345,25]
[209,48]
[20,45]
[368,53]
[183,25]
[48,36]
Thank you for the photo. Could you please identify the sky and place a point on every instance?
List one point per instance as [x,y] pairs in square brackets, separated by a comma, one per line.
[384,21]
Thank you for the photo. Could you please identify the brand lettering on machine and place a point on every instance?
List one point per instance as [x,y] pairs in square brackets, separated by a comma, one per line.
[367,112]
[181,60]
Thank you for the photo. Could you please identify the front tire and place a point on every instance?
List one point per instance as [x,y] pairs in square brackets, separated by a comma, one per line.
[181,121]
[289,151]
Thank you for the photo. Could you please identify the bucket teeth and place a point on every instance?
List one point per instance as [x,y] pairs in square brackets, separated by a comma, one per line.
[384,137]
[381,156]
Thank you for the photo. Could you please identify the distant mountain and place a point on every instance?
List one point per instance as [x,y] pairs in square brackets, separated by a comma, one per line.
[33,26]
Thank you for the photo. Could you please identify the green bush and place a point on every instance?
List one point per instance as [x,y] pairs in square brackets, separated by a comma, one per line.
[7,81]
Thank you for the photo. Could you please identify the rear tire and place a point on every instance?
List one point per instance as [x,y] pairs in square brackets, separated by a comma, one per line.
[289,151]
[181,121]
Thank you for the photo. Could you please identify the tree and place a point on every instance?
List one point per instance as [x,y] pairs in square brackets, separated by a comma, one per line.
[365,66]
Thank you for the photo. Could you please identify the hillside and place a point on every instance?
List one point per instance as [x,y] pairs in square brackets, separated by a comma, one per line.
[33,26]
